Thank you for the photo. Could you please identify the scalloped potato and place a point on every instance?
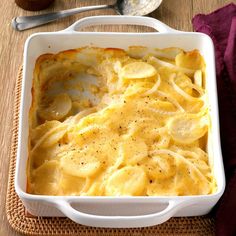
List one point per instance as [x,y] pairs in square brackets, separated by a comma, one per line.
[110,122]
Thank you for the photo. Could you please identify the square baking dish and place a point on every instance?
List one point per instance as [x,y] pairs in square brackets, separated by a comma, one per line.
[118,212]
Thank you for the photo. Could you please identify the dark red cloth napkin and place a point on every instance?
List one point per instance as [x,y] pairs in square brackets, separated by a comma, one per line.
[220,25]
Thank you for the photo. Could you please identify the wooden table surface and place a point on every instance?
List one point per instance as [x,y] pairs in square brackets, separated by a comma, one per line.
[176,13]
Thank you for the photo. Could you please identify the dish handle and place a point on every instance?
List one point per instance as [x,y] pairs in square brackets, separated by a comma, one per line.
[120,20]
[121,221]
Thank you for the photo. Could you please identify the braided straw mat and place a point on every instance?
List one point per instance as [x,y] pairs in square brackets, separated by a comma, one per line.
[26,224]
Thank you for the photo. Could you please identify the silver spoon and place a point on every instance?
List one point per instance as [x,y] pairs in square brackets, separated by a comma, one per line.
[122,7]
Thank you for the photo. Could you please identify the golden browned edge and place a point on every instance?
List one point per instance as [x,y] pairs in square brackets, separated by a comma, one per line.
[26,224]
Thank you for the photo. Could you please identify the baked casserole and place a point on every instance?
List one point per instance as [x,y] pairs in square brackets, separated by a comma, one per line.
[114,122]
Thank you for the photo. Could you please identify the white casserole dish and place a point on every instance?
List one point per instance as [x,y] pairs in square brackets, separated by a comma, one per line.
[118,212]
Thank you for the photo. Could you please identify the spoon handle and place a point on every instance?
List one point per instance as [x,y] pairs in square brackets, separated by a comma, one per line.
[27,22]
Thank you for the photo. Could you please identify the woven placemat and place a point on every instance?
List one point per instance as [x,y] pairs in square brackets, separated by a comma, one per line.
[26,224]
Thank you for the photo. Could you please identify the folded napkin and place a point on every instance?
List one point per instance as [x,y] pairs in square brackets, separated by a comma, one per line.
[220,25]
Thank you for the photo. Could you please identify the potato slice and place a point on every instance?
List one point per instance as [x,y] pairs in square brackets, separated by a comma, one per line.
[186,128]
[165,187]
[191,60]
[183,82]
[138,70]
[39,155]
[160,167]
[46,178]
[190,181]
[71,185]
[80,164]
[133,151]
[58,109]
[52,137]
[41,130]
[137,51]
[128,181]
[168,53]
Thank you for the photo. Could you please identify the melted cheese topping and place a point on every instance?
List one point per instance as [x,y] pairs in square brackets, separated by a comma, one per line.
[109,122]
